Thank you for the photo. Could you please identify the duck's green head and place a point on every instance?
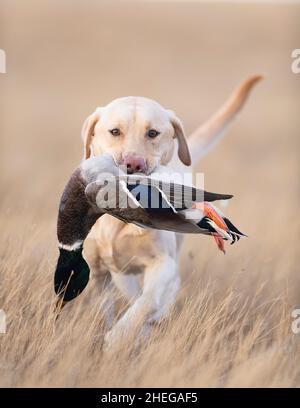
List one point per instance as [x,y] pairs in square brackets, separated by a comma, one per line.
[71,275]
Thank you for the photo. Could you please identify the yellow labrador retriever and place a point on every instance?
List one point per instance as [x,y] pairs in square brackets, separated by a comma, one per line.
[145,137]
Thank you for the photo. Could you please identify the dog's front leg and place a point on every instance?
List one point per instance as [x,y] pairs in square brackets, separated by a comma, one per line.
[161,283]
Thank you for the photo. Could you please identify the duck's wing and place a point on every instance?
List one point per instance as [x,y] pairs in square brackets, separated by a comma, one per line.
[146,204]
[178,196]
[141,204]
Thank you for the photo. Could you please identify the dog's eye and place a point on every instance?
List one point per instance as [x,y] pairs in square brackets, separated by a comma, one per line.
[152,133]
[115,132]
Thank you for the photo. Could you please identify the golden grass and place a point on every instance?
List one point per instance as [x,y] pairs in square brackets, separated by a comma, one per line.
[230,330]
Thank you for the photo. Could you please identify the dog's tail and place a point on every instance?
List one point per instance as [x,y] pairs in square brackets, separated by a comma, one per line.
[205,137]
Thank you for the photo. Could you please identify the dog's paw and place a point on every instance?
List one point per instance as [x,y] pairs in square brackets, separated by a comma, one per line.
[118,336]
[108,340]
[113,338]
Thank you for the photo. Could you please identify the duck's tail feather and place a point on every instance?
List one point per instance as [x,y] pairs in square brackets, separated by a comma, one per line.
[234,229]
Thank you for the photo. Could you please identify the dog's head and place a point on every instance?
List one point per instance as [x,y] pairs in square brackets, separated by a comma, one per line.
[138,133]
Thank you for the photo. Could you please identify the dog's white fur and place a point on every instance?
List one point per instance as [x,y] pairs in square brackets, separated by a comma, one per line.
[123,250]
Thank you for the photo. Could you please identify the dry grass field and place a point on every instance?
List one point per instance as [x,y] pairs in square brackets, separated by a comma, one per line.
[231,326]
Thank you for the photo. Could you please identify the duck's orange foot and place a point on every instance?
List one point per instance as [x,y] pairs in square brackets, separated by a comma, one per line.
[220,242]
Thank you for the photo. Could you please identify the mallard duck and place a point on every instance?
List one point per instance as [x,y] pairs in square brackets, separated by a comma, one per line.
[98,187]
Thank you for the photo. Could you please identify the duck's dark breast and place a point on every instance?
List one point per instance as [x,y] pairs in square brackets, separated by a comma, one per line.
[76,216]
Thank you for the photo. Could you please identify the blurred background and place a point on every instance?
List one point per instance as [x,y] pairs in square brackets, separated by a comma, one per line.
[64,58]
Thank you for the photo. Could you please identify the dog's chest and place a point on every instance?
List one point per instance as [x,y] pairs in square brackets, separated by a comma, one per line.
[124,248]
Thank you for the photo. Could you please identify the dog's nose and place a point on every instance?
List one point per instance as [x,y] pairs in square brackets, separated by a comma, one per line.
[134,163]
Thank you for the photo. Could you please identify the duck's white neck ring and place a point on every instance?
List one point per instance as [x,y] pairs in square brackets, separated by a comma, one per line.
[73,247]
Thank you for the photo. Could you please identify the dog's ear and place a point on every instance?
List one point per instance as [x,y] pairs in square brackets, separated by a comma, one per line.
[183,149]
[87,132]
